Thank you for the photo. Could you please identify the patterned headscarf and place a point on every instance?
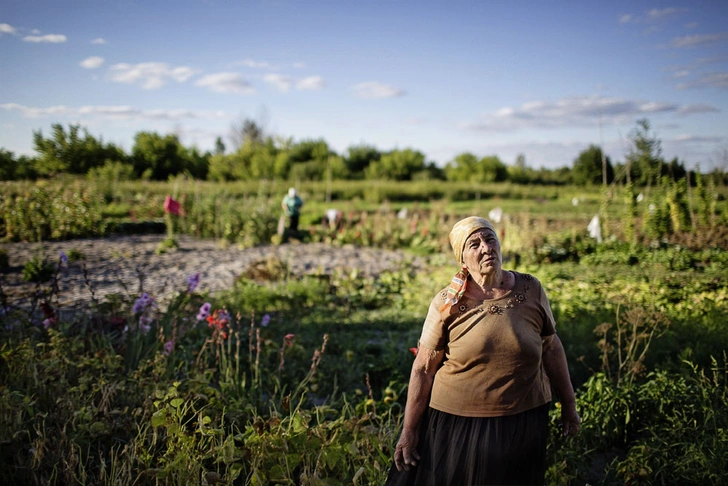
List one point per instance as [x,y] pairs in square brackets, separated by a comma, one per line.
[458,236]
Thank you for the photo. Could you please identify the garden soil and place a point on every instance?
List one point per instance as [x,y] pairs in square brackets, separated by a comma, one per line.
[129,265]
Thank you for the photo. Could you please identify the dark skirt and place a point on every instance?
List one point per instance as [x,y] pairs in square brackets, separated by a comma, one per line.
[474,451]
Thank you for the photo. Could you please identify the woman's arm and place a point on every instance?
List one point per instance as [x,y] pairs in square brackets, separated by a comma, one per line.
[424,368]
[554,362]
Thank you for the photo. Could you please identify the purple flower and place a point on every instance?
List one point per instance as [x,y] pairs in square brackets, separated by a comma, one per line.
[193,281]
[64,258]
[47,323]
[145,324]
[168,347]
[265,321]
[141,304]
[204,311]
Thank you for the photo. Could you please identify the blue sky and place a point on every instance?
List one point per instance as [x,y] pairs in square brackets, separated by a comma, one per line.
[545,79]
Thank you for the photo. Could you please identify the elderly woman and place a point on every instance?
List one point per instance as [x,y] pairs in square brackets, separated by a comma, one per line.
[480,388]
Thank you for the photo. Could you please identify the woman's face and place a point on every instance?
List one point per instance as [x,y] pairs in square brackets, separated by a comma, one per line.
[482,252]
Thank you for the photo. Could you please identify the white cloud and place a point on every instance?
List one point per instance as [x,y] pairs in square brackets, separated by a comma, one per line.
[299,65]
[652,16]
[311,83]
[575,112]
[697,109]
[283,83]
[30,112]
[151,75]
[46,39]
[7,29]
[658,14]
[113,112]
[255,64]
[698,40]
[698,139]
[92,62]
[712,80]
[691,25]
[99,40]
[376,90]
[225,83]
[681,74]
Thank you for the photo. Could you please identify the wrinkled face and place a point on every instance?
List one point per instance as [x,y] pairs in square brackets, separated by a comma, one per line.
[481,253]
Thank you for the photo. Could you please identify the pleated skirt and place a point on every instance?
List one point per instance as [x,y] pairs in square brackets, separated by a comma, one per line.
[475,451]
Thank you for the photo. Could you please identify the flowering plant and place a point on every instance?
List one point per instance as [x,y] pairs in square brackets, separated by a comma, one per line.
[218,322]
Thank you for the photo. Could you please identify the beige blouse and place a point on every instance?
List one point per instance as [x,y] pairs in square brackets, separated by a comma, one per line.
[493,351]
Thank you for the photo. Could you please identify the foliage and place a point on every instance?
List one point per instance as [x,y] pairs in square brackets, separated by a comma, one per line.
[288,379]
[38,270]
[73,152]
[667,429]
[589,168]
[644,157]
[467,167]
[158,157]
[51,212]
[358,158]
[397,165]
[12,168]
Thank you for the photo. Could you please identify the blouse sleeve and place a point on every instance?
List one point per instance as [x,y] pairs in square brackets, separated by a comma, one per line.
[433,331]
[549,324]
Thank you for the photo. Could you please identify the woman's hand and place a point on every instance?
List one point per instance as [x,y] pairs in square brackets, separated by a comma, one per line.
[570,420]
[405,453]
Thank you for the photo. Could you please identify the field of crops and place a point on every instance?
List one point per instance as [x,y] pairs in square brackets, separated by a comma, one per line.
[290,379]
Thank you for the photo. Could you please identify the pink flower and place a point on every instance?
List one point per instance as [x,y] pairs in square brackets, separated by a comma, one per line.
[171,206]
[204,311]
[286,342]
[168,347]
[288,338]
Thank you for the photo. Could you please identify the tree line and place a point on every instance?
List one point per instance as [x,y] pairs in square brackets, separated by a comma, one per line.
[257,155]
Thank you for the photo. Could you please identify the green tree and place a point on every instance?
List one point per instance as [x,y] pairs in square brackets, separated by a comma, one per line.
[519,172]
[198,163]
[74,151]
[245,131]
[588,168]
[219,146]
[221,168]
[466,167]
[309,160]
[674,169]
[358,158]
[492,169]
[8,165]
[644,162]
[462,167]
[397,165]
[157,157]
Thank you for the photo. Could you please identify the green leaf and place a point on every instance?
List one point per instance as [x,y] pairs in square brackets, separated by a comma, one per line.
[176,402]
[159,417]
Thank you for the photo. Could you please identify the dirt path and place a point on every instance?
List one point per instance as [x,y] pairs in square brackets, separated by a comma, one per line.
[126,264]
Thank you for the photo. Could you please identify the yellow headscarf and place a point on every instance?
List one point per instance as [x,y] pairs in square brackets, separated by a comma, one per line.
[462,231]
[459,234]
